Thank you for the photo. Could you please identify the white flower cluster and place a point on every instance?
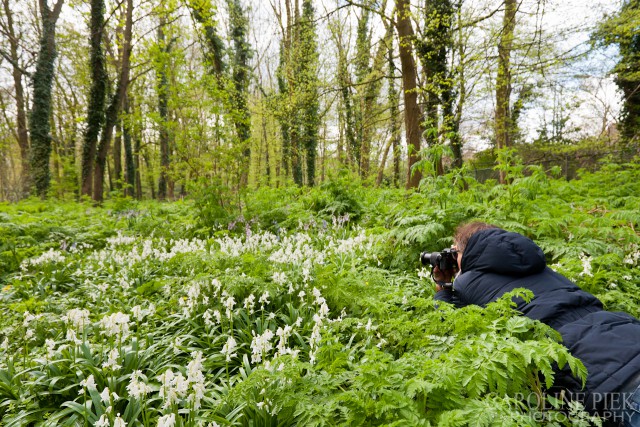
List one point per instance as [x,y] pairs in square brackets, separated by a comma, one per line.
[195,378]
[150,250]
[249,303]
[208,315]
[175,386]
[48,257]
[167,420]
[229,348]
[260,345]
[194,291]
[633,257]
[120,240]
[51,346]
[137,389]
[297,250]
[112,360]
[116,325]
[87,384]
[236,246]
[358,243]
[279,278]
[229,302]
[104,421]
[586,265]
[283,334]
[79,247]
[28,319]
[76,320]
[318,319]
[140,313]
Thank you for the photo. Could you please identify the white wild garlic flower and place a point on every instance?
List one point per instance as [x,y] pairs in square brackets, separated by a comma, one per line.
[167,420]
[229,348]
[260,345]
[88,383]
[77,318]
[119,422]
[116,325]
[137,388]
[112,360]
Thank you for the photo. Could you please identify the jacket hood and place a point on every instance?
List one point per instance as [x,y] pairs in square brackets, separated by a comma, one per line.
[503,252]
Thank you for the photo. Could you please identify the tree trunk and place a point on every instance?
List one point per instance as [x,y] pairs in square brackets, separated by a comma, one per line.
[503,79]
[202,11]
[162,87]
[383,162]
[147,160]
[372,91]
[114,107]
[130,173]
[412,114]
[97,96]
[394,100]
[117,157]
[238,18]
[136,157]
[22,134]
[39,125]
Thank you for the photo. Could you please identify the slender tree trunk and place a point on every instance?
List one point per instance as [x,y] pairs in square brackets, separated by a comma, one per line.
[372,91]
[39,125]
[308,71]
[97,96]
[150,181]
[162,87]
[114,107]
[22,134]
[383,162]
[136,157]
[394,100]
[202,11]
[412,114]
[117,156]
[242,53]
[130,173]
[503,79]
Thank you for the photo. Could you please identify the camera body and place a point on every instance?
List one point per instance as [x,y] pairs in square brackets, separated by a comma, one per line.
[445,260]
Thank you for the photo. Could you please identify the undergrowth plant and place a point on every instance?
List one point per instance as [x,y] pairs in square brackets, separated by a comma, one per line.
[297,307]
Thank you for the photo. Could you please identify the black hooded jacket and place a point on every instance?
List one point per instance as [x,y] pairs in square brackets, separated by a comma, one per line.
[496,261]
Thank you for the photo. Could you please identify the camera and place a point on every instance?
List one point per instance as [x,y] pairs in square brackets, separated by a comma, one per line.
[445,259]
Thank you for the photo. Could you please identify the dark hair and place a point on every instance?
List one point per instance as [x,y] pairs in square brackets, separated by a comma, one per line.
[465,231]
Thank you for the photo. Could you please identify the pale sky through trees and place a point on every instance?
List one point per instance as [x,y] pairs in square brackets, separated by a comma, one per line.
[584,87]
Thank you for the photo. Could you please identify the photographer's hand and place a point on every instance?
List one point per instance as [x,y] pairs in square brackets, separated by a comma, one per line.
[442,277]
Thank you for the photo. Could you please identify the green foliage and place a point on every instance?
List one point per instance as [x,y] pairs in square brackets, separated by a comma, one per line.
[331,323]
[621,29]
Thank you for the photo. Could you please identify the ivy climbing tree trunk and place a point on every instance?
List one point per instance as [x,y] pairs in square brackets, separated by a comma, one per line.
[130,167]
[114,108]
[97,95]
[202,11]
[162,87]
[309,84]
[394,126]
[241,56]
[503,79]
[42,80]
[412,113]
[17,72]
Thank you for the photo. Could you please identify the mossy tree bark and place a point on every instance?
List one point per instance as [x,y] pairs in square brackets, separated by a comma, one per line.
[42,80]
[114,108]
[97,96]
